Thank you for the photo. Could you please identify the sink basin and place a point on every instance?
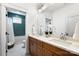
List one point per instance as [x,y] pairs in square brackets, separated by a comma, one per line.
[63,42]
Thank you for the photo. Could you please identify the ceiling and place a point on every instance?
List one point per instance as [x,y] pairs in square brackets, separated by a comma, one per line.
[52,7]
[42,7]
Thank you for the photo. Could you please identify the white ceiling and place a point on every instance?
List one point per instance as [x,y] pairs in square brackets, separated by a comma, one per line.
[54,7]
[44,7]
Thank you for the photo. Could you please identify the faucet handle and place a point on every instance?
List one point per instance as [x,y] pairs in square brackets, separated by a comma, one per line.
[62,36]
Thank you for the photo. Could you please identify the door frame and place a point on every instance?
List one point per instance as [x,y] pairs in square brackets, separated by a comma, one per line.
[3,25]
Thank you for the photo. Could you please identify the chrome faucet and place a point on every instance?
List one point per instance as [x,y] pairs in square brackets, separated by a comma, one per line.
[63,36]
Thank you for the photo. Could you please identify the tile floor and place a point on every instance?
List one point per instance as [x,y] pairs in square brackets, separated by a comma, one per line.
[17,50]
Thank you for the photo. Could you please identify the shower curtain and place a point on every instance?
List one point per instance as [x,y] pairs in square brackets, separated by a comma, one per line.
[10,32]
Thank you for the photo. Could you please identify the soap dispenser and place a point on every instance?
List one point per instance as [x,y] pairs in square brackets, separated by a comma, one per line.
[33,29]
[41,30]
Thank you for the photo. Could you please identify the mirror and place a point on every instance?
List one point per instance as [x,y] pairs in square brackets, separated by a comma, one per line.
[71,24]
[62,20]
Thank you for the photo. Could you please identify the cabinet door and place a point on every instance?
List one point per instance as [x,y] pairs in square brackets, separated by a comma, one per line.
[39,51]
[32,47]
[35,47]
[47,50]
[39,48]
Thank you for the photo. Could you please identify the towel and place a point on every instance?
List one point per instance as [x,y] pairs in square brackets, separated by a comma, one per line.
[76,32]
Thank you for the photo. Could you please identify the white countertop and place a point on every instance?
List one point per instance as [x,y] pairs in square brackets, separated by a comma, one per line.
[72,47]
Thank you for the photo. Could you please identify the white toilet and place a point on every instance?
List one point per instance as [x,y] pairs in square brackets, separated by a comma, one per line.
[24,43]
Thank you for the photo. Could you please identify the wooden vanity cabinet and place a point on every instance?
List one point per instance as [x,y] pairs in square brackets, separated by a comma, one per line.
[39,48]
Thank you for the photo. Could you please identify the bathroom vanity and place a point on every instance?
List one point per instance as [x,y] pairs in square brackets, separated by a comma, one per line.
[42,46]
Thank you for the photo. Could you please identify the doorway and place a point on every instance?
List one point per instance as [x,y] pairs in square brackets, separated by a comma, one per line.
[15,32]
